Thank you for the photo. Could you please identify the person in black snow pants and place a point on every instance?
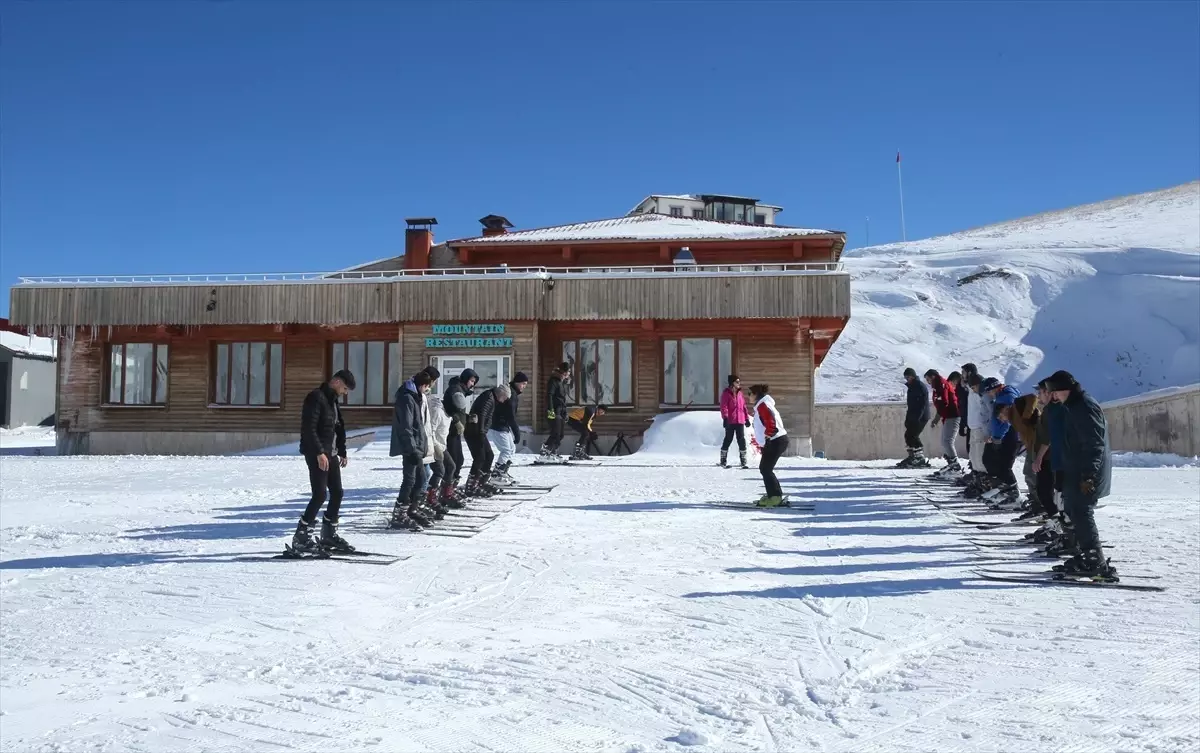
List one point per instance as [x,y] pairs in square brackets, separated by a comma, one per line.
[556,408]
[410,441]
[916,418]
[456,405]
[323,444]
[1087,473]
[479,421]
[772,438]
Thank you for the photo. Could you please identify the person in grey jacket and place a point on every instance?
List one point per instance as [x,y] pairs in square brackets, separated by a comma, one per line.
[411,442]
[1087,472]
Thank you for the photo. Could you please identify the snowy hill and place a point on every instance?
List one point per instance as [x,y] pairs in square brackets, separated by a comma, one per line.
[1109,291]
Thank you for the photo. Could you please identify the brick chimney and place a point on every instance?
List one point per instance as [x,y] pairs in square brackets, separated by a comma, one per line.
[494,224]
[418,239]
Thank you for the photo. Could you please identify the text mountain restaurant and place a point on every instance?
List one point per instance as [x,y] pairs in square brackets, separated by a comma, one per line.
[653,311]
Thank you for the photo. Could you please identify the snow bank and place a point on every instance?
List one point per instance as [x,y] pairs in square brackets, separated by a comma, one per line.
[28,440]
[1018,300]
[684,433]
[1152,460]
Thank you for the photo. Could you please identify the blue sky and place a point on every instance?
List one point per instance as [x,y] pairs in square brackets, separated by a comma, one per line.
[262,136]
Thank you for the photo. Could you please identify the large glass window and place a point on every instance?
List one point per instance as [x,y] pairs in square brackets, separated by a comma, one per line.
[248,374]
[137,374]
[695,369]
[492,370]
[375,365]
[601,371]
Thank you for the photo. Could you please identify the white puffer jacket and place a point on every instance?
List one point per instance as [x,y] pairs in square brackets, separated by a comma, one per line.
[427,412]
[768,424]
[438,427]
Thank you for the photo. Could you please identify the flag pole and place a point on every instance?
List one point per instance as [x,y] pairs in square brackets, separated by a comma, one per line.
[900,181]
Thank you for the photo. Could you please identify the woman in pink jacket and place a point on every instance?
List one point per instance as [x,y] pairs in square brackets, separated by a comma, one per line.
[736,418]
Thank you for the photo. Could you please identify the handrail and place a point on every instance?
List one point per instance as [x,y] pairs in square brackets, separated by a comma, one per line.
[239,278]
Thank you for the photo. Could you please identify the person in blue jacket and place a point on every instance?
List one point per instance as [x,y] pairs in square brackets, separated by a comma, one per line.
[1003,442]
[1086,472]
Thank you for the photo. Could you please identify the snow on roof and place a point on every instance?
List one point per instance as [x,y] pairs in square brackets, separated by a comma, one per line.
[648,227]
[700,197]
[30,345]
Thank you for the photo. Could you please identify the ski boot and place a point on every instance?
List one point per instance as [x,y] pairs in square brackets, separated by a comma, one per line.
[501,477]
[724,459]
[780,501]
[486,487]
[330,541]
[304,541]
[1008,498]
[415,513]
[450,498]
[400,521]
[432,503]
[580,454]
[1090,564]
[908,461]
[742,457]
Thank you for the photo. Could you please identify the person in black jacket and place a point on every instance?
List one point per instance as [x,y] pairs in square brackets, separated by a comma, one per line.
[479,421]
[916,418]
[506,431]
[556,408]
[964,396]
[323,444]
[410,441]
[456,405]
[1087,473]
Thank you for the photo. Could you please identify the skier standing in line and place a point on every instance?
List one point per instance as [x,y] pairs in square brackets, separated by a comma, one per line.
[580,419]
[506,431]
[479,421]
[410,441]
[442,465]
[556,408]
[1025,418]
[773,439]
[456,405]
[916,418]
[945,404]
[323,444]
[1002,442]
[962,390]
[736,418]
[977,419]
[1087,472]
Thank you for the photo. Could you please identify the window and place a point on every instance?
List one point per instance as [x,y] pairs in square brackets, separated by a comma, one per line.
[726,211]
[376,369]
[137,374]
[695,369]
[248,374]
[698,214]
[492,370]
[760,219]
[601,371]
[676,211]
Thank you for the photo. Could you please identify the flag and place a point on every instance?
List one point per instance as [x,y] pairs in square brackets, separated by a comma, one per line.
[897,158]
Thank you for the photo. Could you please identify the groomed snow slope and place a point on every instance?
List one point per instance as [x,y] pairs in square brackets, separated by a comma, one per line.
[1108,291]
[618,613]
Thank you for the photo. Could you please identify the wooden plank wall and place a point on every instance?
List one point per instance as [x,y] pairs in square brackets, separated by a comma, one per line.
[418,300]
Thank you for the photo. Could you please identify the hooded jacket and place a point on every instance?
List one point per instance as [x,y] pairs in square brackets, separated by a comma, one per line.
[505,417]
[1000,424]
[1086,451]
[963,393]
[945,399]
[768,424]
[977,415]
[556,396]
[439,424]
[408,428]
[733,407]
[918,403]
[483,410]
[454,399]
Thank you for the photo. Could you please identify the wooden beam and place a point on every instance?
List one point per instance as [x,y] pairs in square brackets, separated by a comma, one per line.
[568,254]
[664,253]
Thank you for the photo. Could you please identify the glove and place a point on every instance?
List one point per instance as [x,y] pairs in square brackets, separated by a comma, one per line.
[1087,486]
[747,423]
[459,429]
[550,415]
[934,421]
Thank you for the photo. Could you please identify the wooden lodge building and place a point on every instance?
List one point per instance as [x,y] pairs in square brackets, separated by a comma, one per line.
[652,310]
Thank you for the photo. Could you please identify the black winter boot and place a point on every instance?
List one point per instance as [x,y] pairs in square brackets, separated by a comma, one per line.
[303,541]
[724,458]
[330,541]
[742,456]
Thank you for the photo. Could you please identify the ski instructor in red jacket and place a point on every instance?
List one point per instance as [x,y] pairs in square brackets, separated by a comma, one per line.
[736,419]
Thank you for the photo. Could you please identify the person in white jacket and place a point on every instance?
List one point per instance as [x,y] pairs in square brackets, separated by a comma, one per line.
[440,493]
[978,417]
[772,438]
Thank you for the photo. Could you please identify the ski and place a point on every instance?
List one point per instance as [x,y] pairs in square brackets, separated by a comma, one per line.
[1039,580]
[366,558]
[471,515]
[729,504]
[1051,573]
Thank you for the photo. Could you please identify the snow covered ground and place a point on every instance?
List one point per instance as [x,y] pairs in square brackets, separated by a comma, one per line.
[1109,291]
[27,440]
[619,612]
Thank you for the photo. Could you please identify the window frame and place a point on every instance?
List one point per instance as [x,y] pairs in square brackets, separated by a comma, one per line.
[106,380]
[575,370]
[504,373]
[676,211]
[214,361]
[716,367]
[362,380]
